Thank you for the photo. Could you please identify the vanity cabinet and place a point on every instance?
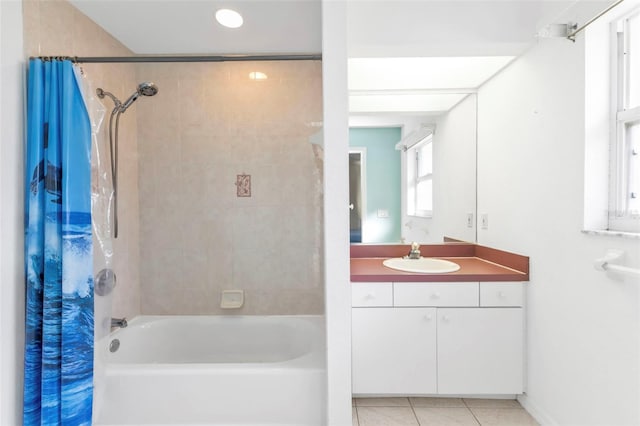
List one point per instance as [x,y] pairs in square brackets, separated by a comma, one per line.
[480,350]
[393,350]
[438,338]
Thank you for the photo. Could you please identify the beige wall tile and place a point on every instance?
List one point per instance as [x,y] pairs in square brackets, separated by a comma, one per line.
[221,124]
[58,28]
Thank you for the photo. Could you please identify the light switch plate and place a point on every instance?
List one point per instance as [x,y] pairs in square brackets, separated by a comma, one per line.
[484,221]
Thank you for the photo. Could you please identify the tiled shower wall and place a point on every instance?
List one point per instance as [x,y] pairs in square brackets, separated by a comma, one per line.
[208,124]
[55,27]
[186,236]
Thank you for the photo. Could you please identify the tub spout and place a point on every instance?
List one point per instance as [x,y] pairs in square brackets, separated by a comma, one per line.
[118,322]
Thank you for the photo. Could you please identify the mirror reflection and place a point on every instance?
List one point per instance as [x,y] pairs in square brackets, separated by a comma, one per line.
[412,166]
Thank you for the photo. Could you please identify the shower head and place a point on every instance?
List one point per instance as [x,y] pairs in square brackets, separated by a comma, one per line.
[145,89]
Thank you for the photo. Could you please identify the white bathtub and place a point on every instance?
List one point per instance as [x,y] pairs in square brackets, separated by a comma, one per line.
[216,370]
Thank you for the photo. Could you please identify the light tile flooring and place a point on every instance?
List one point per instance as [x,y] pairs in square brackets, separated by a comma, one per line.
[439,412]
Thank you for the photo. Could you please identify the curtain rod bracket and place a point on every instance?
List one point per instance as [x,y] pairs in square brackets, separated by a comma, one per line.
[572,35]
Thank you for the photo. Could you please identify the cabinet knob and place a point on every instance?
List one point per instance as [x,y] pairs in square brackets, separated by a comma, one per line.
[427,317]
[369,296]
[501,294]
[435,295]
[446,318]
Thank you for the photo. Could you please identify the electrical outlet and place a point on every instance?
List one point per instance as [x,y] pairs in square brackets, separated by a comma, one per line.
[469,220]
[484,221]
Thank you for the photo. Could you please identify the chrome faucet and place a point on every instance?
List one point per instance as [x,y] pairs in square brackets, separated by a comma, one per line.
[414,253]
[118,322]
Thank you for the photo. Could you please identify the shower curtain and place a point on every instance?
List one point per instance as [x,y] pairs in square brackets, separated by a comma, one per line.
[58,373]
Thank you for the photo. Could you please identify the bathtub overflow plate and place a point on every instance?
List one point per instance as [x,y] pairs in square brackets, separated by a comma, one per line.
[114,345]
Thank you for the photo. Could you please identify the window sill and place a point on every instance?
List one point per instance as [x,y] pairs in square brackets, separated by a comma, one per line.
[619,234]
[420,216]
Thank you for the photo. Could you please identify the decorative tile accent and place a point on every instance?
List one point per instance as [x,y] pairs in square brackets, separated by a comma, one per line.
[243,184]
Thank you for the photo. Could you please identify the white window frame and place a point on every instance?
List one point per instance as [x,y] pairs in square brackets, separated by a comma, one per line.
[413,158]
[622,153]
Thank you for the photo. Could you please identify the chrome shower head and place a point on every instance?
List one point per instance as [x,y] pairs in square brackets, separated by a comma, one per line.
[145,89]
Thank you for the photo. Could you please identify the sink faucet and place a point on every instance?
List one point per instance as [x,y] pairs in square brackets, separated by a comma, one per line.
[118,322]
[414,253]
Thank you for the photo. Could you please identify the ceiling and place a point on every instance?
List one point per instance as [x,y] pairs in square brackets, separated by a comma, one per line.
[387,40]
[156,27]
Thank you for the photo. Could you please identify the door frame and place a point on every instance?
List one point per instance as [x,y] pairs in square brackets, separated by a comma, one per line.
[363,183]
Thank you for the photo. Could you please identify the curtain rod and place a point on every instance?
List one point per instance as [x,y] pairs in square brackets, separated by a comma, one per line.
[575,32]
[195,58]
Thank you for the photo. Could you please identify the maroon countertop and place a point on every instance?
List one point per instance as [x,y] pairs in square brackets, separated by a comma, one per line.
[477,263]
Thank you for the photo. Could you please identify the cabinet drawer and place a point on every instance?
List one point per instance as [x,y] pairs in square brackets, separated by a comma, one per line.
[435,294]
[371,294]
[501,294]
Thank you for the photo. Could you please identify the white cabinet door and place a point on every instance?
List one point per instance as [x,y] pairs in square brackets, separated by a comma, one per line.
[480,351]
[394,350]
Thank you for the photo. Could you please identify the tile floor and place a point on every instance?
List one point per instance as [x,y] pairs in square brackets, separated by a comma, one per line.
[439,412]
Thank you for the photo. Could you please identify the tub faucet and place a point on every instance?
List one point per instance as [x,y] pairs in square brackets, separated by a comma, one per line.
[118,322]
[414,253]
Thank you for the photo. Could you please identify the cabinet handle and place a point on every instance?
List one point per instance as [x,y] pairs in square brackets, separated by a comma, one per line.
[427,317]
[446,318]
[435,295]
[369,296]
[501,294]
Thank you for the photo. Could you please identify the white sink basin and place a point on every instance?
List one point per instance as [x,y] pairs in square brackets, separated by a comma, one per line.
[424,265]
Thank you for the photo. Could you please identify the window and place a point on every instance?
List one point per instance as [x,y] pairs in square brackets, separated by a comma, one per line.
[420,178]
[624,194]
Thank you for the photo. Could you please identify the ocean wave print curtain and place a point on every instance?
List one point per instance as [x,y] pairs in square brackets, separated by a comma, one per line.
[58,374]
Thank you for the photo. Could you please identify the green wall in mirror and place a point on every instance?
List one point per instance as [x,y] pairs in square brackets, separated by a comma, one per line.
[381,203]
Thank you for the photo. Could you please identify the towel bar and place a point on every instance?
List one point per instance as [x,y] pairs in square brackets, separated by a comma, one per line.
[604,264]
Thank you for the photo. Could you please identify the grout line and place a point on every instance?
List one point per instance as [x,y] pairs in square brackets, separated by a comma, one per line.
[471,411]
[415,416]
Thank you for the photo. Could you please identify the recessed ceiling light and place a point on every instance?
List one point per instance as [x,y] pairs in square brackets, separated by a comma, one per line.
[229,18]
[257,75]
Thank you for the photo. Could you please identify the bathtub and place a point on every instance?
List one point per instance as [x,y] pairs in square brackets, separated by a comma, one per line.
[215,370]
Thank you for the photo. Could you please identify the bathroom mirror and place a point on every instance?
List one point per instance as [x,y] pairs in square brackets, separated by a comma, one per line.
[389,139]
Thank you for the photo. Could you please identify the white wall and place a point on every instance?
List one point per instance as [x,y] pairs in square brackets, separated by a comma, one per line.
[583,326]
[454,179]
[11,213]
[336,214]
